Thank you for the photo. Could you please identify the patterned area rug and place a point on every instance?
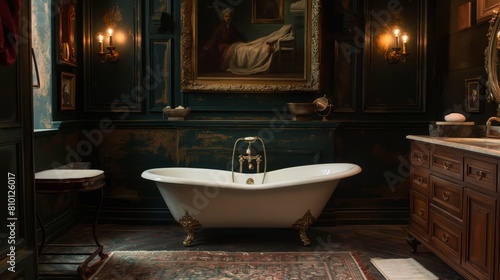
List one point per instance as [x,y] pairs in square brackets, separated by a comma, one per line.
[228,265]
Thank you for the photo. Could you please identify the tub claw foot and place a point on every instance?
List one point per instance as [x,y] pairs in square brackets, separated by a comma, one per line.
[190,225]
[302,225]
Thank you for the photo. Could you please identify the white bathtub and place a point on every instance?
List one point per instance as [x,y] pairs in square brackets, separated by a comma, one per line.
[289,197]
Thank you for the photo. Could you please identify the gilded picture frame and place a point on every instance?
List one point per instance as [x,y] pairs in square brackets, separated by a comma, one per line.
[67,91]
[302,74]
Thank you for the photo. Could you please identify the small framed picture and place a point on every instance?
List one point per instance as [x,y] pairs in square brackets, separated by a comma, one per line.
[464,16]
[473,96]
[67,91]
[485,8]
[66,23]
[267,11]
[161,16]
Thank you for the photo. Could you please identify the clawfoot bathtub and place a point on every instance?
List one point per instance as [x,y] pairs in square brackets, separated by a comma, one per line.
[288,197]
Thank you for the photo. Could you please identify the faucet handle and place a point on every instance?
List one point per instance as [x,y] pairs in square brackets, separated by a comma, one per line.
[491,132]
[488,122]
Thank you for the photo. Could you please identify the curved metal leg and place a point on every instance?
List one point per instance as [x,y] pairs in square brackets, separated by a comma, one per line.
[94,226]
[190,225]
[302,225]
[82,268]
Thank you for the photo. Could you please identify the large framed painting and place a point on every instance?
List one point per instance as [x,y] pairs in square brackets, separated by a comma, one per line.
[485,8]
[224,50]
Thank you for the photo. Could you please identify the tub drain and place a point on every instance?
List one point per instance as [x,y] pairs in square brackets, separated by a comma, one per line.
[250,181]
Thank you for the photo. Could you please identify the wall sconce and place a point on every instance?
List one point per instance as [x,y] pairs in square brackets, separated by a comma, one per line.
[399,53]
[111,56]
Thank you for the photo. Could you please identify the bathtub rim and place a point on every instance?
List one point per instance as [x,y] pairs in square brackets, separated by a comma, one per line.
[348,169]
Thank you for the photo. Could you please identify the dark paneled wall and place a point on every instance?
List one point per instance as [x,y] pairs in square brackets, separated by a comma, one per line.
[18,243]
[460,56]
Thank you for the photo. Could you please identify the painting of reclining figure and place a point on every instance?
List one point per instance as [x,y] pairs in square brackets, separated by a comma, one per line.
[236,43]
[228,49]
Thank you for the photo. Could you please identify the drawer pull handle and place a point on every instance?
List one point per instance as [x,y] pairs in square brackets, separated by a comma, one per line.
[421,212]
[447,165]
[480,174]
[420,180]
[419,157]
[445,237]
[446,196]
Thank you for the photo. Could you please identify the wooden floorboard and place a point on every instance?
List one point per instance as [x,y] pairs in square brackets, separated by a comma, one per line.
[364,241]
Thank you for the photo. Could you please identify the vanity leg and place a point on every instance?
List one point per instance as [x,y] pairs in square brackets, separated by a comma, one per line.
[413,242]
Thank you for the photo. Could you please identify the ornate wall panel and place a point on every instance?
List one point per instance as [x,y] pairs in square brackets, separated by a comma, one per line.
[114,86]
[399,87]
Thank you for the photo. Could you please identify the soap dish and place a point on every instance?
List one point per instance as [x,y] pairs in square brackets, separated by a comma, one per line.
[455,129]
[454,123]
[177,114]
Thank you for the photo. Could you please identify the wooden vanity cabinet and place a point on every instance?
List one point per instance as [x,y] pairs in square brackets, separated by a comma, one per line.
[454,209]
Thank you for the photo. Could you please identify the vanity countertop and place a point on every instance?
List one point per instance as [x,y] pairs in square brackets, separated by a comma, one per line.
[486,146]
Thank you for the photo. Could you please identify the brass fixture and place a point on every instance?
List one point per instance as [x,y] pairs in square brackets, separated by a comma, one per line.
[249,158]
[492,131]
[400,50]
[190,225]
[111,55]
[323,107]
[302,225]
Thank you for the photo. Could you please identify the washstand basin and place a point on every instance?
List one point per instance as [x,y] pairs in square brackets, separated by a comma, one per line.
[491,143]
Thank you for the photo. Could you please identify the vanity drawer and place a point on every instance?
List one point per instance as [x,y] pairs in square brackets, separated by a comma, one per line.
[447,196]
[419,155]
[447,162]
[419,213]
[481,173]
[420,180]
[445,236]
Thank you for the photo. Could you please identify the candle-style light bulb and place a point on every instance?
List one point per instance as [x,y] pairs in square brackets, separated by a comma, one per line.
[396,37]
[100,39]
[405,38]
[110,34]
